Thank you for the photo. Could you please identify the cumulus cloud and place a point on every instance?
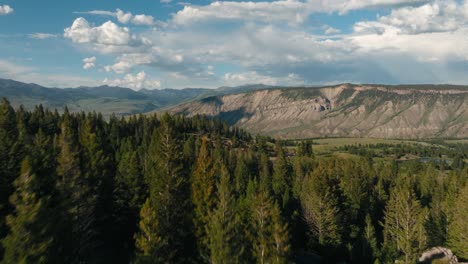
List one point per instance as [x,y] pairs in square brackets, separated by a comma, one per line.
[291,11]
[108,33]
[270,42]
[106,38]
[440,16]
[42,35]
[432,32]
[124,17]
[89,63]
[143,20]
[136,82]
[5,10]
[164,59]
[126,62]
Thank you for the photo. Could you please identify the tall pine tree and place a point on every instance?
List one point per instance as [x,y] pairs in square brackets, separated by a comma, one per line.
[404,222]
[222,226]
[458,228]
[30,237]
[203,195]
[169,198]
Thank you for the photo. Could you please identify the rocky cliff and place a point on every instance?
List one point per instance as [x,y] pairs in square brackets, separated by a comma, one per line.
[345,110]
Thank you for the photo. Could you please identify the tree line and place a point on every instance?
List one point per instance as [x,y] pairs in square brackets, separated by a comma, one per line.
[75,188]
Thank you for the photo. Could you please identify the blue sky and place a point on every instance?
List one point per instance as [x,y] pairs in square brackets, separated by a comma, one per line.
[158,44]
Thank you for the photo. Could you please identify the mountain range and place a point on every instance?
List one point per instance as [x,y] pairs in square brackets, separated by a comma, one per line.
[106,99]
[405,111]
[346,110]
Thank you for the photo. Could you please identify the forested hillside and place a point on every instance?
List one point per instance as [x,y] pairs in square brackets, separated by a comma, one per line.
[75,188]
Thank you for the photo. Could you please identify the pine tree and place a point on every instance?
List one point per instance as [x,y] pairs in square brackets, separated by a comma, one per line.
[265,172]
[30,238]
[222,225]
[281,179]
[148,241]
[280,235]
[241,174]
[404,222]
[458,228]
[78,202]
[97,174]
[128,196]
[270,233]
[261,215]
[8,166]
[371,249]
[321,213]
[203,195]
[169,194]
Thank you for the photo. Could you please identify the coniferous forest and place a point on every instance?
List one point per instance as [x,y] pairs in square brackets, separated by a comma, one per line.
[78,188]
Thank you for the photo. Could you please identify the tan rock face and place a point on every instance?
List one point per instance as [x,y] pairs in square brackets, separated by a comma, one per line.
[345,110]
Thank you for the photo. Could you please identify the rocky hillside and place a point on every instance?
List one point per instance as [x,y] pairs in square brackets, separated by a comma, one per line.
[345,110]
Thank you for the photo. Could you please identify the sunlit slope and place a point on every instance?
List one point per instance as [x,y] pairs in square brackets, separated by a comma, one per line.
[419,111]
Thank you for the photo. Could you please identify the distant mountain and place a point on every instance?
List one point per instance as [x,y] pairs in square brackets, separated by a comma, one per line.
[106,99]
[405,111]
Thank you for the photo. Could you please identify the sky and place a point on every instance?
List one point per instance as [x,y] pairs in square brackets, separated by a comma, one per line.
[157,44]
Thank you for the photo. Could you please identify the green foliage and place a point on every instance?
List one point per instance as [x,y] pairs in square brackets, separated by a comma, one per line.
[170,189]
[458,228]
[203,194]
[404,223]
[321,214]
[30,238]
[223,224]
[148,240]
[270,234]
[281,178]
[169,195]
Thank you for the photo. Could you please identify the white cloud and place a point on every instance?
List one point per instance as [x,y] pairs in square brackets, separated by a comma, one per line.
[107,38]
[108,33]
[124,17]
[328,30]
[251,77]
[136,82]
[143,20]
[343,6]
[42,35]
[126,62]
[165,60]
[272,44]
[5,10]
[440,16]
[89,63]
[294,12]
[165,1]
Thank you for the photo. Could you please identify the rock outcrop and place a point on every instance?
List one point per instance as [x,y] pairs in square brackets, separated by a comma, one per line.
[343,111]
[440,254]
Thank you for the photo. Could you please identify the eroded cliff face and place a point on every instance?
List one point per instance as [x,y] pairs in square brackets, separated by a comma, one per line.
[344,110]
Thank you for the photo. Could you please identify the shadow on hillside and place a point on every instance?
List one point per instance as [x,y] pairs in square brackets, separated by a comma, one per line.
[232,117]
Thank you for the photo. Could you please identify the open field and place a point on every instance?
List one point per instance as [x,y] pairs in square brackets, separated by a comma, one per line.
[325,145]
